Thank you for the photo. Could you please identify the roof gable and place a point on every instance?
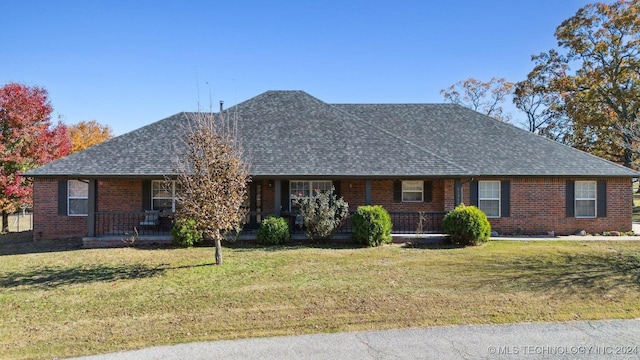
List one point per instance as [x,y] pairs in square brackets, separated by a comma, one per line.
[293,133]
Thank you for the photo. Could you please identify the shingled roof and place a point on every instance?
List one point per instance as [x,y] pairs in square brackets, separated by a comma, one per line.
[292,134]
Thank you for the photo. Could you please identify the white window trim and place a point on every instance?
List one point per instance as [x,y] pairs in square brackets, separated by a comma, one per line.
[413,191]
[172,197]
[499,198]
[310,187]
[576,198]
[69,198]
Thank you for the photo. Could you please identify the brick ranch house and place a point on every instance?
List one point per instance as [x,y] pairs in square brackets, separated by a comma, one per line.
[416,160]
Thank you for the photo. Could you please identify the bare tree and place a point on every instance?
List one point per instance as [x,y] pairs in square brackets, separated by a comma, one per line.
[543,106]
[484,97]
[212,177]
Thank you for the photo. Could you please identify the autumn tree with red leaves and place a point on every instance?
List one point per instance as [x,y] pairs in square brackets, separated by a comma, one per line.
[27,140]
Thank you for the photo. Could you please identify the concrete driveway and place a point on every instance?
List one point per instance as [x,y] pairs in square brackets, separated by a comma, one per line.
[612,339]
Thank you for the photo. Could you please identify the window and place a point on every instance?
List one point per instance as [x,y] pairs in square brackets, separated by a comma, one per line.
[77,198]
[412,191]
[585,199]
[163,195]
[299,189]
[489,198]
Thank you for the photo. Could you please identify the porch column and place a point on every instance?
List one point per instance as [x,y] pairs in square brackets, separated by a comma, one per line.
[367,192]
[253,192]
[277,187]
[457,192]
[91,216]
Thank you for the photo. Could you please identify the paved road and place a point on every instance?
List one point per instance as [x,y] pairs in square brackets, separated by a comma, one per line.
[614,339]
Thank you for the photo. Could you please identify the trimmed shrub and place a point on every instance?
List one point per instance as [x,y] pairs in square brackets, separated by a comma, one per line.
[371,226]
[322,213]
[467,225]
[185,233]
[273,231]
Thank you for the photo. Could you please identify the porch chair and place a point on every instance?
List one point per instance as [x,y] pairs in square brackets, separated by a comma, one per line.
[151,218]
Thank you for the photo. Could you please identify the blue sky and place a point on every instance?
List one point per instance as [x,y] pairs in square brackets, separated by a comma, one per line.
[130,63]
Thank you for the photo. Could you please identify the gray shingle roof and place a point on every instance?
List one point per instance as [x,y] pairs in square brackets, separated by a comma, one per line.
[290,133]
[481,144]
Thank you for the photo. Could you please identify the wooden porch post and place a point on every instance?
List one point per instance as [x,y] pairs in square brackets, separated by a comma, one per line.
[91,216]
[253,221]
[367,192]
[457,192]
[278,197]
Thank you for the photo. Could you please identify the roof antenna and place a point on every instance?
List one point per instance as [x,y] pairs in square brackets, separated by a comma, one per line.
[221,105]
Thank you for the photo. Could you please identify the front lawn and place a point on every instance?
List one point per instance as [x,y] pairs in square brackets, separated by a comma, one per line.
[78,302]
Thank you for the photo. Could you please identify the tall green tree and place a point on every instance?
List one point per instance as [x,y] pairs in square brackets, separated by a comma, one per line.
[601,97]
[27,140]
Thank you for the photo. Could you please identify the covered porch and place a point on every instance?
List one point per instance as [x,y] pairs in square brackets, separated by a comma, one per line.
[120,228]
[416,206]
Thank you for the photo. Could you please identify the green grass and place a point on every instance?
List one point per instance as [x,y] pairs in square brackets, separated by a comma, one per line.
[63,301]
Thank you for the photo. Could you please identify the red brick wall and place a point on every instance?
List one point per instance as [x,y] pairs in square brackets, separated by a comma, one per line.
[113,195]
[538,205]
[353,192]
[119,195]
[47,224]
[382,194]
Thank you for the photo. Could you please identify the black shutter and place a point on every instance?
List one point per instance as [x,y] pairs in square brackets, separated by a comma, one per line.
[505,194]
[570,196]
[473,193]
[397,191]
[428,191]
[337,189]
[146,195]
[602,199]
[457,192]
[284,195]
[62,197]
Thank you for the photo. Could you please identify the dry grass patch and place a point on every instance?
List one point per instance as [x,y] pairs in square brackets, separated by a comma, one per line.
[79,302]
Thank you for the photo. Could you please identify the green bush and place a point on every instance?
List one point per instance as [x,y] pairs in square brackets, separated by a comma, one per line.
[371,226]
[273,231]
[185,233]
[467,225]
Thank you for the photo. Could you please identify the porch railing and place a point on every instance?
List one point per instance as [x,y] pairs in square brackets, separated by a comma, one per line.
[403,222]
[157,223]
[417,222]
[126,223]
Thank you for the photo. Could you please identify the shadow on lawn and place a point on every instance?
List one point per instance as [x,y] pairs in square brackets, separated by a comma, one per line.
[599,272]
[19,243]
[292,245]
[51,277]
